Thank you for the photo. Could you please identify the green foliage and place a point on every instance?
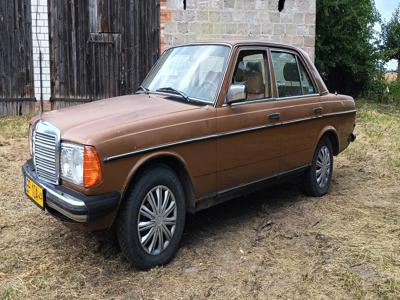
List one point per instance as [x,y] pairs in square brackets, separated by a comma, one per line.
[383,91]
[391,36]
[345,54]
[376,89]
[393,94]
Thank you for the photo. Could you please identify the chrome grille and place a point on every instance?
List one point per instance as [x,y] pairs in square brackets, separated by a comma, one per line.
[45,152]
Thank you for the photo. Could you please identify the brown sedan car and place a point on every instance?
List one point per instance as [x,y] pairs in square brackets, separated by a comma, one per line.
[210,122]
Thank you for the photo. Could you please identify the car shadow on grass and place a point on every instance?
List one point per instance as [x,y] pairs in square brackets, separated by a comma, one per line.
[240,211]
[218,219]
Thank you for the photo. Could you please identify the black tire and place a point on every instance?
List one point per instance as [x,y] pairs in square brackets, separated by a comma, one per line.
[128,218]
[312,186]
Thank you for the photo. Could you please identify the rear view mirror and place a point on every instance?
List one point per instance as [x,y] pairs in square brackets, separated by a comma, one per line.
[236,93]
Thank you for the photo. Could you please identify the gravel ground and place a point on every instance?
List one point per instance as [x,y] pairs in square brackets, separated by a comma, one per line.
[276,243]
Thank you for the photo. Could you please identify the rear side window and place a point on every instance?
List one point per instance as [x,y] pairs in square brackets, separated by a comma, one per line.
[291,77]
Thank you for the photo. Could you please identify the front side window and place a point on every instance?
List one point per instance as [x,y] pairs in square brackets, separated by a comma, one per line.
[250,71]
[194,70]
[291,77]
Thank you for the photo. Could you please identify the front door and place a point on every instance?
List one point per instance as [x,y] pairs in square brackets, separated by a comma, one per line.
[248,147]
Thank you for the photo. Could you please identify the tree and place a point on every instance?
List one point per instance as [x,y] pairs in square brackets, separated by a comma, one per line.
[345,54]
[391,39]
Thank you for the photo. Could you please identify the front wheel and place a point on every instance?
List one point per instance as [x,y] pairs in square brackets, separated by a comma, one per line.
[318,177]
[151,220]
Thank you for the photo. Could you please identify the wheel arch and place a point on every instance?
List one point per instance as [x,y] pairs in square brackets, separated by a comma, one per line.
[331,133]
[173,161]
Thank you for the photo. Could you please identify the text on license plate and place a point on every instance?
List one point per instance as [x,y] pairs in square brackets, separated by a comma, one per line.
[34,192]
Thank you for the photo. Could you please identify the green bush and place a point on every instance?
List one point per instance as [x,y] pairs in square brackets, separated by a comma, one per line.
[383,91]
[393,94]
[376,90]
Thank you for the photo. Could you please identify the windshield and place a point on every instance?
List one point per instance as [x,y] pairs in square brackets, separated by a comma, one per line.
[195,71]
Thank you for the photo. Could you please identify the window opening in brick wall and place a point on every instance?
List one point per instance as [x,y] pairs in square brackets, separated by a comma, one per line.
[281,5]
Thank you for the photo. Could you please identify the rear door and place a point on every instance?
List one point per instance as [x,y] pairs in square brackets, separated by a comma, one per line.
[299,105]
[248,145]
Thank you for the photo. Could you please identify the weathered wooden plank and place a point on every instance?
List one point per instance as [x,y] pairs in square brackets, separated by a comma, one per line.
[103,48]
[16,64]
[74,65]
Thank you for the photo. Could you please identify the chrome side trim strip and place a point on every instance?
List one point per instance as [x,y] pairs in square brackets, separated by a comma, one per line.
[222,134]
[167,145]
[297,97]
[271,99]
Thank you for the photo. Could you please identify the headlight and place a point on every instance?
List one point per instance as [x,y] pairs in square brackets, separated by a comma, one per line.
[71,162]
[30,138]
[80,164]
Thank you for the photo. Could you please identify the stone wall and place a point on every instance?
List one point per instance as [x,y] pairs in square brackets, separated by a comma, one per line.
[239,19]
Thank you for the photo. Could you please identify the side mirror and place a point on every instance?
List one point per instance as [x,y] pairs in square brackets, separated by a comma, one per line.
[236,93]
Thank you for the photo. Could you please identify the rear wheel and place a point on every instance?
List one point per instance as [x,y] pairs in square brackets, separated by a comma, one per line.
[151,220]
[318,177]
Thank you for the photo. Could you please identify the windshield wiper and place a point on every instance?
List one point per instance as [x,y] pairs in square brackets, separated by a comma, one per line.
[143,88]
[175,91]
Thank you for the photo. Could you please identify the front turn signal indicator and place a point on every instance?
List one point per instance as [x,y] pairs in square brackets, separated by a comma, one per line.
[92,174]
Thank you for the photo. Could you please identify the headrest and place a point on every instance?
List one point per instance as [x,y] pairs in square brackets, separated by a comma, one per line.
[291,72]
[253,66]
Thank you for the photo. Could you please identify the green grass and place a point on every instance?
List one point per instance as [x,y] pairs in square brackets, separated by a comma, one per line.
[379,125]
[350,279]
[8,294]
[14,127]
[390,289]
[389,261]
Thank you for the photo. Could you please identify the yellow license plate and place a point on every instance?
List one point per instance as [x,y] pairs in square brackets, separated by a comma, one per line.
[34,192]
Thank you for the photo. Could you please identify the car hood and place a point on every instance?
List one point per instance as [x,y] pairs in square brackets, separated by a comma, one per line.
[82,123]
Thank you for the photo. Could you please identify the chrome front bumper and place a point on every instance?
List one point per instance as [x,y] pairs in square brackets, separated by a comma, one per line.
[69,205]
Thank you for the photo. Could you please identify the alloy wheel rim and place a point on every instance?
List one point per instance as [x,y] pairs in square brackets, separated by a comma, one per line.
[323,166]
[157,220]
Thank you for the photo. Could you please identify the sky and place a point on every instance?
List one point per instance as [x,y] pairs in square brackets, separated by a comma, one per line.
[386,8]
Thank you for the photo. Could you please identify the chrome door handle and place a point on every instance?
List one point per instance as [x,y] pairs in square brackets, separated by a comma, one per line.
[318,110]
[274,116]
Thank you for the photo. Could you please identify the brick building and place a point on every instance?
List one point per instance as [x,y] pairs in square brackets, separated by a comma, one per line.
[238,19]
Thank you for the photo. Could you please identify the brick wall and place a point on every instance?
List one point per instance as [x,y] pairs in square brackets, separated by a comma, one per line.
[239,19]
[40,39]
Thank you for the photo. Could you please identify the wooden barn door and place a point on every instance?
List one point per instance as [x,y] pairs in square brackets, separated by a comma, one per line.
[16,64]
[105,65]
[101,48]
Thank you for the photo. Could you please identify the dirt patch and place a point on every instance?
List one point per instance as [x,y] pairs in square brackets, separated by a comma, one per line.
[276,243]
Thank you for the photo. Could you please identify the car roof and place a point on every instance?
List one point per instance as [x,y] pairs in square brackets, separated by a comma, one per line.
[234,43]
